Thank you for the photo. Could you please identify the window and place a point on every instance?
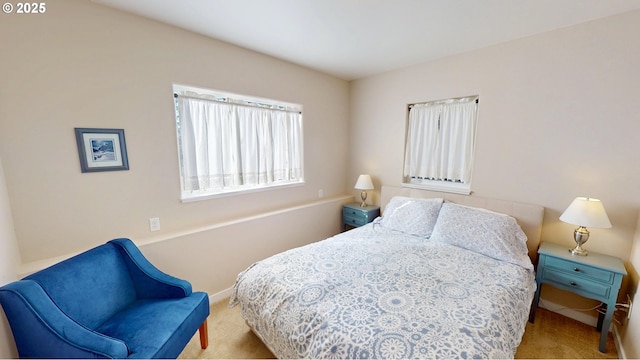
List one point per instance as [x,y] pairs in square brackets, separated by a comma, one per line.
[440,144]
[229,143]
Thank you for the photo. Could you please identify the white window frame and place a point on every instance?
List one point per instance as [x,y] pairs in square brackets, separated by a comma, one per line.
[208,95]
[458,187]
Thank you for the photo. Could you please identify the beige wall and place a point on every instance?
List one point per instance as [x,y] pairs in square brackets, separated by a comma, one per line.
[630,331]
[84,65]
[217,254]
[557,119]
[8,263]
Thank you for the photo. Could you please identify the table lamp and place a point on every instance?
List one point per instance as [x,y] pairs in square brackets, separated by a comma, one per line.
[584,211]
[364,183]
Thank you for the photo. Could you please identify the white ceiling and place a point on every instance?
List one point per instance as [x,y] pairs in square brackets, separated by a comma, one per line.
[352,39]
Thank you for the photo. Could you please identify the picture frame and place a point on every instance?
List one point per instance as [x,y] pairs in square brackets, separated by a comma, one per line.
[101,149]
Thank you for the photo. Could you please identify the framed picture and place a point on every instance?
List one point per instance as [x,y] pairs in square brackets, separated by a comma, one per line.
[101,149]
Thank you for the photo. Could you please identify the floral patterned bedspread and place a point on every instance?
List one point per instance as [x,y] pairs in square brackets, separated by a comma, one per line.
[376,293]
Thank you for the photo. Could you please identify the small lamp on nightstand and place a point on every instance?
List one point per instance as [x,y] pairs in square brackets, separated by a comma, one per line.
[364,183]
[584,212]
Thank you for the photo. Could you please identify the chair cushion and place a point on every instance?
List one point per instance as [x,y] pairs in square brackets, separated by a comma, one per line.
[158,328]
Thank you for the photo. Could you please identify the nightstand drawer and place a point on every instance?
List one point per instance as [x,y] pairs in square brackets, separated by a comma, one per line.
[580,270]
[579,285]
[355,220]
[366,216]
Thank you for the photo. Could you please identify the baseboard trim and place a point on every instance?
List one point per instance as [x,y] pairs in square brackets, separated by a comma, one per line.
[618,341]
[220,295]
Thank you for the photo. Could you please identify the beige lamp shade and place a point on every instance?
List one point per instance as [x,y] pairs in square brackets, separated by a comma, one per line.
[364,182]
[587,212]
[584,211]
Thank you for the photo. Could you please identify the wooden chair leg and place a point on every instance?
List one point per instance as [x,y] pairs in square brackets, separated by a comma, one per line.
[204,335]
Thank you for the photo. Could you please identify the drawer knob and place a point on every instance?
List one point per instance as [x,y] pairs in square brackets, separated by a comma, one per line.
[576,269]
[573,283]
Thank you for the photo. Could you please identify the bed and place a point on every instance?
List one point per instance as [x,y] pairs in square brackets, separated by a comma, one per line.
[437,276]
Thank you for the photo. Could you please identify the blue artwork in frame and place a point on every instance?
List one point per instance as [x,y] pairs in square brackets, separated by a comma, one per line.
[101,149]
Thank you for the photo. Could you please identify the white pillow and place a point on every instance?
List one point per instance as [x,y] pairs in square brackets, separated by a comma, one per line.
[410,215]
[486,232]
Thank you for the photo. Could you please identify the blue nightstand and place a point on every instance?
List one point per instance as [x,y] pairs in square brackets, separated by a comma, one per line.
[595,276]
[355,215]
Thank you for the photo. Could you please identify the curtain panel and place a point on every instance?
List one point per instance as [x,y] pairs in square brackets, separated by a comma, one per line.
[226,146]
[440,141]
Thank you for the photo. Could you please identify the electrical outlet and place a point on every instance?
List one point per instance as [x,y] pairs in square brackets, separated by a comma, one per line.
[625,307]
[320,193]
[154,224]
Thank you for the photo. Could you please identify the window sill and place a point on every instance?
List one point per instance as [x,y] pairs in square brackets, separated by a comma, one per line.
[185,198]
[455,188]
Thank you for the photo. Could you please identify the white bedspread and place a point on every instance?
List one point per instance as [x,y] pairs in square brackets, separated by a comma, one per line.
[376,293]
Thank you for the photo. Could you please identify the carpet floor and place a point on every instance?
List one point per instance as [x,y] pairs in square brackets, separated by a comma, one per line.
[552,336]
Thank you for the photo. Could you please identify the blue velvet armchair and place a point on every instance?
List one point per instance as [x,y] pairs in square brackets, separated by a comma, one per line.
[108,302]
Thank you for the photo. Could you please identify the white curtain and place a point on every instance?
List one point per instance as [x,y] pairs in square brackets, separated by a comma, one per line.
[440,141]
[229,146]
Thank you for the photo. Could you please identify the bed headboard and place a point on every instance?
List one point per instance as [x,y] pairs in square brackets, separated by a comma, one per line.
[529,216]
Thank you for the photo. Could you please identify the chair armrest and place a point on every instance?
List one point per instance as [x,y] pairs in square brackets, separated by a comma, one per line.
[41,329]
[150,282]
